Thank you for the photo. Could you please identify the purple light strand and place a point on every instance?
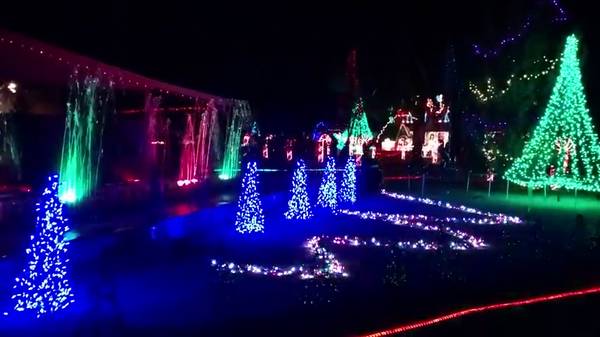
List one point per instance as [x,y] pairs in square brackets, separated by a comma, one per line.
[560,16]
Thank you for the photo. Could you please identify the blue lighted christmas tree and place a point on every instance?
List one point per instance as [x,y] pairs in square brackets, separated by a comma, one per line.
[249,217]
[327,197]
[348,187]
[299,204]
[44,284]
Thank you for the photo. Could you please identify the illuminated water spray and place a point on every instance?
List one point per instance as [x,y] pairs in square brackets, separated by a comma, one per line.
[196,147]
[206,134]
[155,139]
[231,161]
[188,162]
[9,151]
[87,105]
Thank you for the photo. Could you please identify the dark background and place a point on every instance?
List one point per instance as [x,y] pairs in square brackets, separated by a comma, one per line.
[288,59]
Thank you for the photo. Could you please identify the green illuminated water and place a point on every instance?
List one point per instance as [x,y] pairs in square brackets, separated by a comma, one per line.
[231,161]
[82,140]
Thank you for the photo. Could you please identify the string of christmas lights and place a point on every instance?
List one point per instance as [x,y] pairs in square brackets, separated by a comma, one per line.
[417,221]
[483,308]
[510,38]
[490,92]
[499,218]
[325,264]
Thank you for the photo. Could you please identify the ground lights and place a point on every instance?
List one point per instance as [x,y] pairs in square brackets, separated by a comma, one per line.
[483,308]
[326,264]
[492,218]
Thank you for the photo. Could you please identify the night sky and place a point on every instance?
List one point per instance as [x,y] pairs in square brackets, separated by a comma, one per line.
[289,60]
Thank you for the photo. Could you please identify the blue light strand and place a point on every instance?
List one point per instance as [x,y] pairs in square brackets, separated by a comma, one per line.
[560,16]
[44,284]
[249,217]
[348,186]
[299,204]
[327,197]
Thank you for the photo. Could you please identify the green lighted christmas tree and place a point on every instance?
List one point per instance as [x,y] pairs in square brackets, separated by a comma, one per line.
[564,150]
[359,125]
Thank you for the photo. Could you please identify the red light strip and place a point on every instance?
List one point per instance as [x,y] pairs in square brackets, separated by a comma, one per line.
[457,314]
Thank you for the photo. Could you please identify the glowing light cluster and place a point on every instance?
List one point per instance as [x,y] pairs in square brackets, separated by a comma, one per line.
[249,217]
[495,218]
[483,308]
[44,285]
[348,187]
[419,222]
[566,118]
[325,264]
[490,92]
[299,203]
[327,197]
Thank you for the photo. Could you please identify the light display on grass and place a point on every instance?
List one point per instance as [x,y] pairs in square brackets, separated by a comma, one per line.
[43,286]
[348,186]
[566,122]
[480,309]
[498,217]
[231,157]
[327,197]
[325,264]
[299,203]
[249,217]
[87,106]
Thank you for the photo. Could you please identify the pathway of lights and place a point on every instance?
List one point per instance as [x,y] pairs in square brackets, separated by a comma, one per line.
[416,221]
[326,264]
[492,218]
